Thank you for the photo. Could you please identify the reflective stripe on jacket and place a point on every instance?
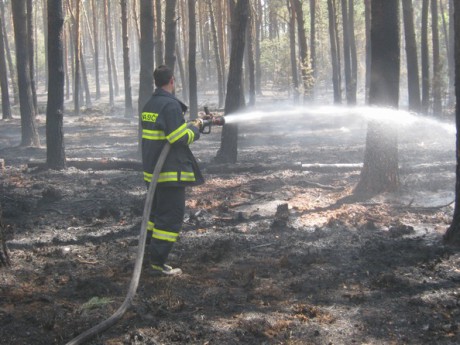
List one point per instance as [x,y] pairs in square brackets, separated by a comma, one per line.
[163,121]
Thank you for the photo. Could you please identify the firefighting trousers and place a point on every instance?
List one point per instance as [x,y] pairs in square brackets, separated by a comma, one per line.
[165,222]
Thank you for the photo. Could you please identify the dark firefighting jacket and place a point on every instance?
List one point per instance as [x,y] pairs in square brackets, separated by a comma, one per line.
[163,121]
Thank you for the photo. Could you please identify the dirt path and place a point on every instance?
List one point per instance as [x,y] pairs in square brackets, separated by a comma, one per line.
[272,253]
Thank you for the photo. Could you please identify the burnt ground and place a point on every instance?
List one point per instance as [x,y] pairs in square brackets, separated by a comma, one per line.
[272,252]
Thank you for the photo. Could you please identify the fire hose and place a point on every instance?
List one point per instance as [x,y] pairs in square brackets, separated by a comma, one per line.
[207,122]
[139,259]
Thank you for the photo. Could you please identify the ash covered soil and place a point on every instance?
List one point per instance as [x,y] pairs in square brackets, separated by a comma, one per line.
[272,252]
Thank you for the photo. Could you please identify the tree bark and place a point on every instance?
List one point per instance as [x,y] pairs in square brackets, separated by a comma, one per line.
[6,107]
[193,84]
[55,152]
[336,74]
[293,55]
[250,58]
[380,169]
[452,234]
[413,81]
[313,40]
[234,100]
[13,74]
[367,14]
[437,68]
[77,79]
[108,55]
[170,34]
[425,59]
[96,48]
[112,49]
[217,56]
[28,126]
[159,51]
[30,39]
[451,58]
[146,50]
[126,65]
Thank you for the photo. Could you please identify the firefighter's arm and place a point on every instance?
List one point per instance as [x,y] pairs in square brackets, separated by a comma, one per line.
[179,132]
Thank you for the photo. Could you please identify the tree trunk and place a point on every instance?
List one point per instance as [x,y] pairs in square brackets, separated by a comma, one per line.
[193,84]
[217,56]
[55,152]
[452,235]
[258,24]
[111,50]
[6,107]
[336,74]
[367,10]
[294,72]
[250,56]
[96,48]
[126,66]
[380,169]
[28,126]
[146,50]
[353,56]
[11,68]
[170,34]
[76,94]
[108,55]
[413,82]
[159,51]
[234,100]
[451,59]
[313,41]
[30,39]
[437,68]
[303,49]
[425,59]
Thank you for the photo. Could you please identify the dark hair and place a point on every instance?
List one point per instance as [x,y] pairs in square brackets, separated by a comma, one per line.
[162,75]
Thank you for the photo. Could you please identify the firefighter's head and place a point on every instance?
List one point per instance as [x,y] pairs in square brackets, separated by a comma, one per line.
[164,77]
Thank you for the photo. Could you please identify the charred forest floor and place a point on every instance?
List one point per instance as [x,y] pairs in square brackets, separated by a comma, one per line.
[273,251]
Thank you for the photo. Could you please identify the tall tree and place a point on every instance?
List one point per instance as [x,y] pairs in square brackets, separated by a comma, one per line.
[111,48]
[303,49]
[55,152]
[6,107]
[234,99]
[96,48]
[30,42]
[336,74]
[77,55]
[451,52]
[293,55]
[413,81]
[28,125]
[9,59]
[250,72]
[217,55]
[146,50]
[437,68]
[159,51]
[126,65]
[313,38]
[424,57]
[170,34]
[380,170]
[193,84]
[367,15]
[108,54]
[452,234]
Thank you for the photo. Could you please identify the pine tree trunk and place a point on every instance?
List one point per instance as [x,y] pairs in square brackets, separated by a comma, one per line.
[159,47]
[76,94]
[28,126]
[111,50]
[367,14]
[193,85]
[45,38]
[413,82]
[126,65]
[55,152]
[437,68]
[234,100]
[9,59]
[313,40]
[293,55]
[250,56]
[425,59]
[336,74]
[257,48]
[30,37]
[451,58]
[380,169]
[452,235]
[6,107]
[170,34]
[217,56]
[96,48]
[108,55]
[353,54]
[146,50]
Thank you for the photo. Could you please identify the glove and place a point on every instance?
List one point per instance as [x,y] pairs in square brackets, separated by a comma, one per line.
[198,123]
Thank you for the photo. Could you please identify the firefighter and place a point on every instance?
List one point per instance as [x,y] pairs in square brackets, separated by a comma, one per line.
[163,121]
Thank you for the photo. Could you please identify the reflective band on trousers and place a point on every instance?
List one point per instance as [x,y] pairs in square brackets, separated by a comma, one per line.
[165,235]
[171,176]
